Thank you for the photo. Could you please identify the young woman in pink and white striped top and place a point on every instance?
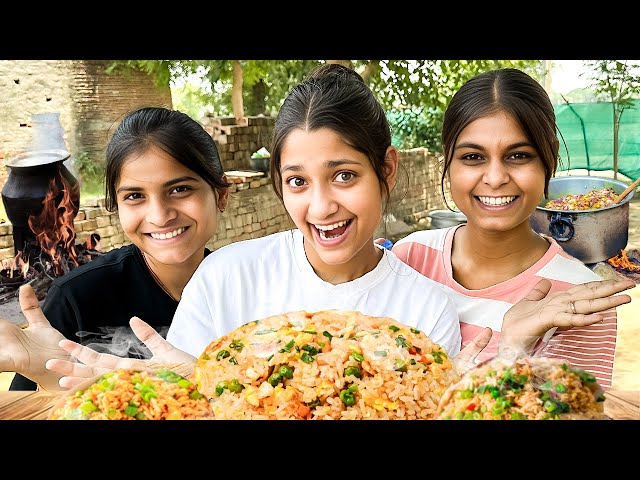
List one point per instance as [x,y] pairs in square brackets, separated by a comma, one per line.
[500,150]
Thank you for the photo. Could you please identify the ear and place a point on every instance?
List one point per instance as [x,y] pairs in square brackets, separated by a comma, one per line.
[391,166]
[223,196]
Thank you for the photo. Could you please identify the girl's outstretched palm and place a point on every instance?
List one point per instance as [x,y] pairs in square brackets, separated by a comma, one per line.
[25,350]
[94,363]
[539,311]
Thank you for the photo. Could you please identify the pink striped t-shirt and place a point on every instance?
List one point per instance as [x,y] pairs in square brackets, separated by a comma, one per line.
[590,348]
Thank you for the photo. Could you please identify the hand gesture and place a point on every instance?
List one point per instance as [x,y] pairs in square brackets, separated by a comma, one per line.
[94,363]
[581,305]
[466,358]
[25,350]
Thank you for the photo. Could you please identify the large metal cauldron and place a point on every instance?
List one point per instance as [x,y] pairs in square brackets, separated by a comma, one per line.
[589,235]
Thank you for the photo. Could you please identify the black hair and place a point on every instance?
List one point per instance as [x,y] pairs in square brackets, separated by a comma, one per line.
[506,90]
[170,130]
[336,97]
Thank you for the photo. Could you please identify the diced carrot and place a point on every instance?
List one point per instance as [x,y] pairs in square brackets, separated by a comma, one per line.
[327,348]
[320,361]
[303,410]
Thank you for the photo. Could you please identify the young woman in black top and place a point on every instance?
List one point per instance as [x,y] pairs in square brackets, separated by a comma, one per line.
[165,179]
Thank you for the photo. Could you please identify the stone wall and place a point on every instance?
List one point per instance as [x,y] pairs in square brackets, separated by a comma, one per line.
[88,99]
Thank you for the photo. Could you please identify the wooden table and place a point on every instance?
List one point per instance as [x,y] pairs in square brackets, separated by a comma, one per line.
[36,405]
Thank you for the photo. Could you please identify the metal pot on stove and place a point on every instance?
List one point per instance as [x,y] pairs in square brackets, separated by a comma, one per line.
[591,236]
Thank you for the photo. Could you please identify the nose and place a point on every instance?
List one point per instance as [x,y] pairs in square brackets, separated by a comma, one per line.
[159,211]
[321,202]
[495,173]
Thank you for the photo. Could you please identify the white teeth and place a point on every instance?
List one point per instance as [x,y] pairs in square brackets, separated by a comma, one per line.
[326,228]
[164,236]
[496,201]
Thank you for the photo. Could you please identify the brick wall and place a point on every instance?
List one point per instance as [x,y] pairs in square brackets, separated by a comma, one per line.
[235,142]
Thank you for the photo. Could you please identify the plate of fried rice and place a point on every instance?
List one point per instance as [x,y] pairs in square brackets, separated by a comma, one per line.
[130,394]
[324,365]
[527,389]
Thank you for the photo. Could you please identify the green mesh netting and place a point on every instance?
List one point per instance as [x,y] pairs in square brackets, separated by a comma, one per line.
[587,129]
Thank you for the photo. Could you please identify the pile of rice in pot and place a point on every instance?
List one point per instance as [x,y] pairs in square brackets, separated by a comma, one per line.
[526,389]
[325,365]
[128,394]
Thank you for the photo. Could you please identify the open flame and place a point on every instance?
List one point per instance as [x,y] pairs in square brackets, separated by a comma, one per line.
[53,226]
[622,262]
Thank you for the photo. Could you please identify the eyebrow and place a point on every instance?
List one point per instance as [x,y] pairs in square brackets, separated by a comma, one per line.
[170,183]
[328,164]
[480,147]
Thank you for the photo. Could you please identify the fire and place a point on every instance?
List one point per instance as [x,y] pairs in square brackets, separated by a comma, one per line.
[53,226]
[621,261]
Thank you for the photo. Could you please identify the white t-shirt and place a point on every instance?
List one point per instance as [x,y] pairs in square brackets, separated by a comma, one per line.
[253,279]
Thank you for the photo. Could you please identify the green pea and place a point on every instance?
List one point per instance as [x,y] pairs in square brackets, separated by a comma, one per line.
[286,371]
[347,397]
[235,386]
[274,379]
[352,370]
[221,387]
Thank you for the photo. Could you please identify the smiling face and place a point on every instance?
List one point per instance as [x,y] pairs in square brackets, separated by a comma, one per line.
[334,197]
[496,175]
[166,209]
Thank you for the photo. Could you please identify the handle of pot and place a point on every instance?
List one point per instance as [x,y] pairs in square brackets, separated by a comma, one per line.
[561,227]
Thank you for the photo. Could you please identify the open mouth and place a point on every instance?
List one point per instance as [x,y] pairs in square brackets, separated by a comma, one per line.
[168,235]
[496,201]
[332,231]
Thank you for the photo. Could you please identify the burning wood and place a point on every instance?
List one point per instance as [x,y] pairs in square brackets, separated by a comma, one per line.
[623,262]
[54,251]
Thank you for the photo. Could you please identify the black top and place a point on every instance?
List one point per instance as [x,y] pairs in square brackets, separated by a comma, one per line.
[94,302]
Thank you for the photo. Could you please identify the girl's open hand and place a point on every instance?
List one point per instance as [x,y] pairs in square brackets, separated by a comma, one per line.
[25,350]
[539,311]
[94,363]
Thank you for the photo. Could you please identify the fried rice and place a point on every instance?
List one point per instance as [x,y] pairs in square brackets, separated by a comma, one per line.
[591,200]
[127,394]
[324,365]
[527,389]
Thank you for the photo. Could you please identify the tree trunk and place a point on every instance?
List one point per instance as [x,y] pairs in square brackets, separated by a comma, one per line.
[236,92]
[258,98]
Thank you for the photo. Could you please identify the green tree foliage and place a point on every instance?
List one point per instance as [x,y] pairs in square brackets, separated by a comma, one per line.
[414,92]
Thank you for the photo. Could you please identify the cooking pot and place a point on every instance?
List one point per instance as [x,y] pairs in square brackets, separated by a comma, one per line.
[591,236]
[446,218]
